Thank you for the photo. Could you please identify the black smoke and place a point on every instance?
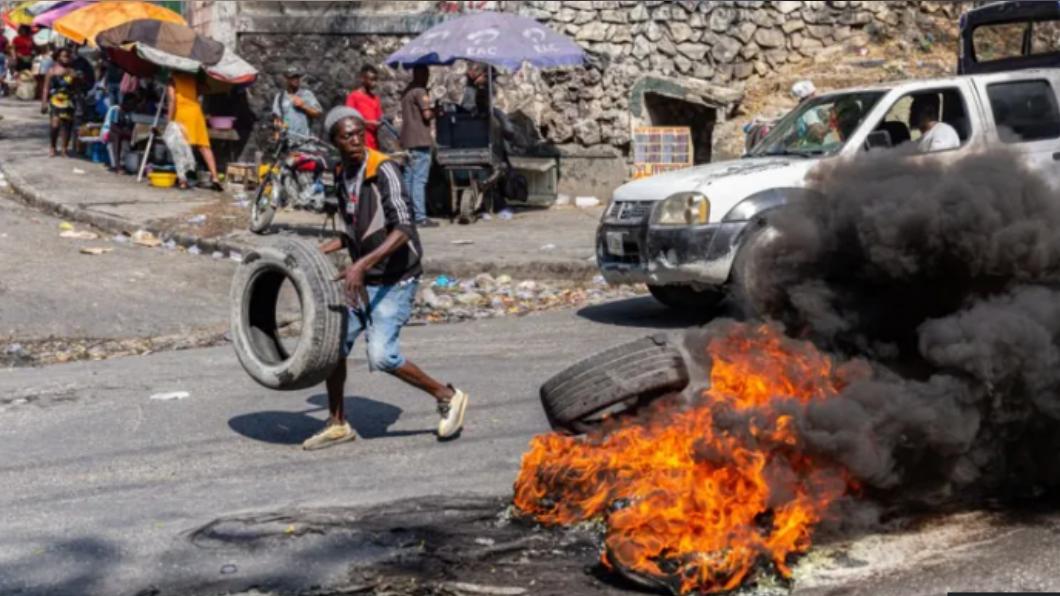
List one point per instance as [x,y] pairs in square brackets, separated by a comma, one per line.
[943,277]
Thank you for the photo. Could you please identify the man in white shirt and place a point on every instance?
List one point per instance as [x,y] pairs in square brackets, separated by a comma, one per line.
[934,135]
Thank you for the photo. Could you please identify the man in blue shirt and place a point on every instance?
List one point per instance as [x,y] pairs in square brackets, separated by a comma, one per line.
[294,106]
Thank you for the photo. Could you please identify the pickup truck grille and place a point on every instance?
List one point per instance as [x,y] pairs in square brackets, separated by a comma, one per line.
[629,211]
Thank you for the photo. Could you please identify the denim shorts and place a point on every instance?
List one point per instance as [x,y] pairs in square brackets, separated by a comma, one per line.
[389,309]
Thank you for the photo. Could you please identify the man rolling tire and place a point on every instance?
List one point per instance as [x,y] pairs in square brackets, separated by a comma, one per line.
[381,282]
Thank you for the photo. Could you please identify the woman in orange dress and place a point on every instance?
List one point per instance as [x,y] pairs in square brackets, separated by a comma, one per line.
[182,96]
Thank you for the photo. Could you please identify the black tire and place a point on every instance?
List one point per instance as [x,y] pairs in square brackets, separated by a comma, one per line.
[262,210]
[755,292]
[255,332]
[627,375]
[686,298]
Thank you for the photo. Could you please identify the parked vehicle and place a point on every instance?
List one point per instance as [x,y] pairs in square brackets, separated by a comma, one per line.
[688,233]
[299,173]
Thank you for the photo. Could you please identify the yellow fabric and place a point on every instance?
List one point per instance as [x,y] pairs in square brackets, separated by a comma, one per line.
[374,159]
[188,112]
[83,24]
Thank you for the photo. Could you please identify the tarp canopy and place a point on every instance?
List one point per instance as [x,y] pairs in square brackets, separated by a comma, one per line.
[497,38]
[179,40]
[82,25]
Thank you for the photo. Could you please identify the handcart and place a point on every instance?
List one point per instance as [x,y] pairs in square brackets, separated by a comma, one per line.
[471,153]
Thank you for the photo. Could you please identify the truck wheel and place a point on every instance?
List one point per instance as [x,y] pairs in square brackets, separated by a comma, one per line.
[752,287]
[631,374]
[686,298]
[255,332]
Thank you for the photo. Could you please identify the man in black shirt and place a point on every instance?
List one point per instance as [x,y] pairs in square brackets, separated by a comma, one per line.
[381,282]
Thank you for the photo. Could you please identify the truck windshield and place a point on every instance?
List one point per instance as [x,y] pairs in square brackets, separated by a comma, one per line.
[818,126]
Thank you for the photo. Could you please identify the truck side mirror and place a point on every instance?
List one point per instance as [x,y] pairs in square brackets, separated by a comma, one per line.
[878,139]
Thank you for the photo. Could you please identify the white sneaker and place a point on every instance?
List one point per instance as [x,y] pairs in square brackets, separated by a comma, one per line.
[452,413]
[332,434]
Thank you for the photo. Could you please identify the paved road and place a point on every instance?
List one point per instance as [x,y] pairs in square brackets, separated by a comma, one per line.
[102,484]
[49,289]
[105,488]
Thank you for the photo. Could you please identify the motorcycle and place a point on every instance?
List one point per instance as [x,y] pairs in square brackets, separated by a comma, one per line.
[299,174]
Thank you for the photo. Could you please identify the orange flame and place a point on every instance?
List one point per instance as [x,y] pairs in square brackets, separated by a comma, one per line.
[697,495]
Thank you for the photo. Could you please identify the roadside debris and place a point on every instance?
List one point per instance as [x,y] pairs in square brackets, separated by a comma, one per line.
[94,250]
[586,202]
[145,238]
[65,226]
[463,242]
[448,300]
[79,171]
[194,250]
[171,395]
[78,235]
[197,220]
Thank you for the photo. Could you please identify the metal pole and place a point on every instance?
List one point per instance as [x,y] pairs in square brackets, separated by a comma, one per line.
[151,137]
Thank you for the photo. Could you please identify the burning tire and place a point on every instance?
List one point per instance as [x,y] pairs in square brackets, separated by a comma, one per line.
[255,330]
[576,399]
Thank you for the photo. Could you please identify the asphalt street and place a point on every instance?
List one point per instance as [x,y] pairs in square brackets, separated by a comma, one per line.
[102,484]
[108,491]
[48,288]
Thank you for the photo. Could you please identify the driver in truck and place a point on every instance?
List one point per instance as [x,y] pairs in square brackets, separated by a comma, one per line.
[381,282]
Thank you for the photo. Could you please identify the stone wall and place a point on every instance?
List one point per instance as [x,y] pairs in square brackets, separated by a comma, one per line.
[722,43]
[698,52]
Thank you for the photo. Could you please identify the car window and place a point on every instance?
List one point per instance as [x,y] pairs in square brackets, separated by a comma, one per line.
[818,126]
[1045,37]
[1024,110]
[952,112]
[999,41]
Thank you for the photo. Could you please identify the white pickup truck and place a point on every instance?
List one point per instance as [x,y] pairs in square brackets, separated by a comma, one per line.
[683,233]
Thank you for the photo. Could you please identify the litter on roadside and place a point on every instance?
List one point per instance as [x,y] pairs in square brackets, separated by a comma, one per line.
[64,226]
[548,247]
[584,202]
[79,235]
[235,256]
[218,254]
[194,250]
[463,242]
[197,220]
[78,171]
[145,238]
[95,250]
[170,395]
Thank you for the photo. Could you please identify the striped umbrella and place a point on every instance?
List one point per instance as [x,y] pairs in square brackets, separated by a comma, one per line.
[82,26]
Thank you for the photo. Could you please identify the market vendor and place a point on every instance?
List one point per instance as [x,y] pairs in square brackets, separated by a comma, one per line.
[182,99]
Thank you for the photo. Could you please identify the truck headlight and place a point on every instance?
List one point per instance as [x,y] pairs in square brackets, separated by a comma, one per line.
[682,209]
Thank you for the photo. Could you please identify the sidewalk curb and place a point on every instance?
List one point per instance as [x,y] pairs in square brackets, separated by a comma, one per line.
[569,270]
[112,224]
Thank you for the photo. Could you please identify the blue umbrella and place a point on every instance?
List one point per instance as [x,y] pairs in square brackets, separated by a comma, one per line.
[498,38]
